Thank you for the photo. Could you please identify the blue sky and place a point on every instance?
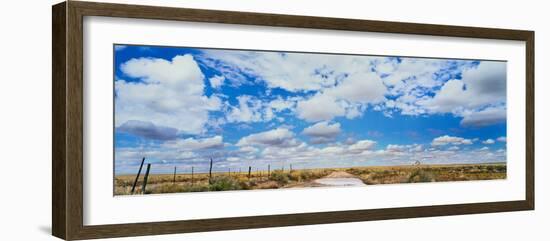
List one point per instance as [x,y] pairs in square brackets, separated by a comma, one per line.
[182,106]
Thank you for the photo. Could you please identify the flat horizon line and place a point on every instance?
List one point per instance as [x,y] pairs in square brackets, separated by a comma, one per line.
[301,169]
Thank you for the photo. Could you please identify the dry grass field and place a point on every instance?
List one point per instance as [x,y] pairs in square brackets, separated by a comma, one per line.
[201,182]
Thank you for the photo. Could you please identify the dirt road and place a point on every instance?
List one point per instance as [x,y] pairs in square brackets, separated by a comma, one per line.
[339,179]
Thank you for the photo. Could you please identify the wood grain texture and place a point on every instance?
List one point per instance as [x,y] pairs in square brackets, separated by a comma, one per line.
[58,121]
[67,136]
[138,229]
[530,120]
[264,19]
[74,135]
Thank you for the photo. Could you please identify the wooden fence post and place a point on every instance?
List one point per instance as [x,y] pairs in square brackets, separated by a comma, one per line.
[174,181]
[290,167]
[192,175]
[137,177]
[210,172]
[268,171]
[249,170]
[145,178]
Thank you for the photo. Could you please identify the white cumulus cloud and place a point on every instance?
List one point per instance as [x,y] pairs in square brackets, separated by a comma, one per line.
[249,109]
[216,81]
[192,144]
[169,94]
[320,107]
[148,130]
[293,71]
[479,97]
[485,117]
[479,86]
[453,140]
[280,137]
[489,141]
[362,87]
[324,129]
[362,145]
[322,132]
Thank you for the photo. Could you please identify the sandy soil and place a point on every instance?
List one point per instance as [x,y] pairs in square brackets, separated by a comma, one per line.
[340,174]
[335,179]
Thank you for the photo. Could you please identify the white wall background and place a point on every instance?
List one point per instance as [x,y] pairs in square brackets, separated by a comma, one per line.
[25,121]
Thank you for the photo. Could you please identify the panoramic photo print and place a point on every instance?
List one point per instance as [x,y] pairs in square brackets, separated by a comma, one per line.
[200,119]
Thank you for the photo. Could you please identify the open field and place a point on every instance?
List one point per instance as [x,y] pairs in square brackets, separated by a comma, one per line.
[354,176]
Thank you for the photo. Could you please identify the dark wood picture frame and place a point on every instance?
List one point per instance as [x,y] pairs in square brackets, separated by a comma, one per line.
[67,136]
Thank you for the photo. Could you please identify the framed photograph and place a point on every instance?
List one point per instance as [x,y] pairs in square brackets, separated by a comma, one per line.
[171,120]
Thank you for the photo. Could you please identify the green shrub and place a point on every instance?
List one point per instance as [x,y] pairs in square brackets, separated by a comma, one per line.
[421,176]
[280,177]
[295,176]
[176,188]
[306,175]
[224,183]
